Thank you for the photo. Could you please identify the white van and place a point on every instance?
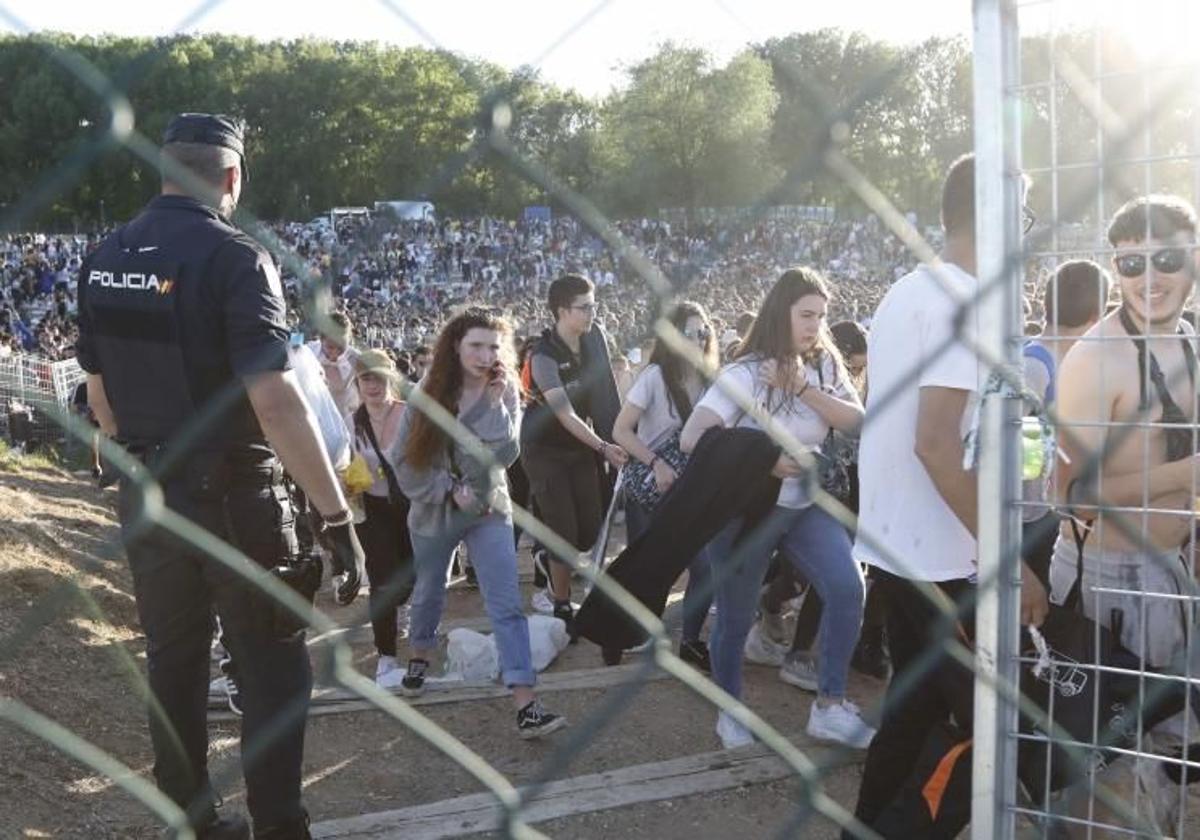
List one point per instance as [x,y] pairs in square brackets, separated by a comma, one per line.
[407,211]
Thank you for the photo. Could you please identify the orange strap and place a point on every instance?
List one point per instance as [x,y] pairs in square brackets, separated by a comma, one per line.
[935,788]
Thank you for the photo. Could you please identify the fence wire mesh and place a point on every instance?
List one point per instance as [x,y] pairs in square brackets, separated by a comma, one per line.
[1055,103]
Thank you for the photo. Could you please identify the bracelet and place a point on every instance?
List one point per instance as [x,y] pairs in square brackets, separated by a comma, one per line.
[603,446]
[653,461]
[342,517]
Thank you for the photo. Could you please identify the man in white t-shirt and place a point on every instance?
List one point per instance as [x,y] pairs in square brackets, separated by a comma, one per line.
[918,506]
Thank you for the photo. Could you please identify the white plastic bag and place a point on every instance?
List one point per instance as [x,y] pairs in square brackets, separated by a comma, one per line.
[471,656]
[316,393]
[547,639]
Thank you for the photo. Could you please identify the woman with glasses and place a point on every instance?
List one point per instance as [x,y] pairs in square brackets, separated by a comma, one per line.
[655,409]
[457,498]
[566,433]
[789,367]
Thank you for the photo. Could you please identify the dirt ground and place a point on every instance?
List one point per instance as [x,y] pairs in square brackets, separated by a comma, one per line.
[69,637]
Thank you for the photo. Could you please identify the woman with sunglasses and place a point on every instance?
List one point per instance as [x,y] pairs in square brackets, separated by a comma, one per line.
[458,498]
[374,426]
[656,407]
[790,368]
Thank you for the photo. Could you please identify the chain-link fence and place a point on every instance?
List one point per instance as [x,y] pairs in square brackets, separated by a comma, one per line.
[1042,71]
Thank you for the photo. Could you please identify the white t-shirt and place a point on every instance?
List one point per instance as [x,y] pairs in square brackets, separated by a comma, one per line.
[659,414]
[912,345]
[802,422]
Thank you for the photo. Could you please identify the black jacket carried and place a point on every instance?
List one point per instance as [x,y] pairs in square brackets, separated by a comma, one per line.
[729,475]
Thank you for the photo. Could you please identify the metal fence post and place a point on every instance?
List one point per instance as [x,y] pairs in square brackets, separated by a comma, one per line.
[997,199]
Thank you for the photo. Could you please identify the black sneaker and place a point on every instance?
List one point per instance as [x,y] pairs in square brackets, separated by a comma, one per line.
[296,829]
[533,721]
[564,610]
[871,659]
[695,653]
[413,684]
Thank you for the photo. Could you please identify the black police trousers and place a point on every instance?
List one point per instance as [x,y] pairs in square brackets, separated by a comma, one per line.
[177,587]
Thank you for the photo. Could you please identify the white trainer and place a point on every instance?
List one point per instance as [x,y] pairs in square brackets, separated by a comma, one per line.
[732,733]
[542,602]
[841,722]
[762,651]
[388,673]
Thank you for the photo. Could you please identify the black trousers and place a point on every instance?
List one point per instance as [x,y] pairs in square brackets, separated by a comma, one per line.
[943,690]
[388,549]
[177,587]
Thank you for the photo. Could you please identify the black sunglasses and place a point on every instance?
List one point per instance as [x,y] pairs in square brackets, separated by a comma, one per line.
[1166,261]
[701,334]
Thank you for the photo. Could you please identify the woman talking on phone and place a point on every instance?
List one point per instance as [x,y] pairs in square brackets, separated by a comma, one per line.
[456,499]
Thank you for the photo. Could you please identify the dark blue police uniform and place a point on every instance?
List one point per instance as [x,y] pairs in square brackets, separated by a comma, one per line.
[175,309]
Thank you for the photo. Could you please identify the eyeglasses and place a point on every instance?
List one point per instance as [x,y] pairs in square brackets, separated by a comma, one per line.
[1166,261]
[584,307]
[701,334]
[1028,218]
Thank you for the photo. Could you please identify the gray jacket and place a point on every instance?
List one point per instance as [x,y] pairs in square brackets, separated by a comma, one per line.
[428,490]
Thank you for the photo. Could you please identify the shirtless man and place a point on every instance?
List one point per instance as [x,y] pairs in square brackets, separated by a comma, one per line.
[1117,472]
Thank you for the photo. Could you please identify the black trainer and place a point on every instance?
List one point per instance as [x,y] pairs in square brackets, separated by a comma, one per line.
[695,653]
[533,721]
[413,684]
[870,657]
[296,829]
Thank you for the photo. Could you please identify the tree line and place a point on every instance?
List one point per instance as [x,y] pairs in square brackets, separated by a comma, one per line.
[347,123]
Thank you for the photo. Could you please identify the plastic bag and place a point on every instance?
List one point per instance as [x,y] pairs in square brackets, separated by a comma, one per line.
[472,656]
[547,639]
[316,393]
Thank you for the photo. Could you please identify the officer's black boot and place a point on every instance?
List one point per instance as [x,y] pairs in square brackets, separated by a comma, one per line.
[230,827]
[291,830]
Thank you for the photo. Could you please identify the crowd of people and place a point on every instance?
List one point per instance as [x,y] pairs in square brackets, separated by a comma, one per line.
[398,280]
[841,374]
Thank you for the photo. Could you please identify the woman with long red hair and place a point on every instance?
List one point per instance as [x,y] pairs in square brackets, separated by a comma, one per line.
[456,498]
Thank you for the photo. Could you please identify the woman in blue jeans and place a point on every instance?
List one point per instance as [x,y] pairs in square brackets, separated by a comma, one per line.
[656,407]
[789,369]
[457,499]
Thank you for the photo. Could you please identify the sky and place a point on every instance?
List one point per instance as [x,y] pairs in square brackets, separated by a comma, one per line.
[575,43]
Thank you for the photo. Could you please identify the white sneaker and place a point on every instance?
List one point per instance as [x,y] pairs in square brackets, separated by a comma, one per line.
[388,673]
[841,722]
[800,670]
[542,602]
[732,733]
[762,651]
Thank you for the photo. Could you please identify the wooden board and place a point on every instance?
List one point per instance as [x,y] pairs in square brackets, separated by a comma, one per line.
[671,779]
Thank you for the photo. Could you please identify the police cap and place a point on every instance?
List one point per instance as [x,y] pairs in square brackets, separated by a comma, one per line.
[212,130]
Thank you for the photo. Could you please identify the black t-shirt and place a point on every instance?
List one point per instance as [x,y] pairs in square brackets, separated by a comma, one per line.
[175,309]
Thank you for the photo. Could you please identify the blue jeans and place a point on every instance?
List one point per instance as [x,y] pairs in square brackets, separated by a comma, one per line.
[819,549]
[490,543]
[698,596]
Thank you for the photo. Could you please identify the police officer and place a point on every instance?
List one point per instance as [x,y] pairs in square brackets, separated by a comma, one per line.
[183,337]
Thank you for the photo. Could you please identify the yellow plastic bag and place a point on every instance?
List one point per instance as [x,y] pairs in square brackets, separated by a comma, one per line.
[358,477]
